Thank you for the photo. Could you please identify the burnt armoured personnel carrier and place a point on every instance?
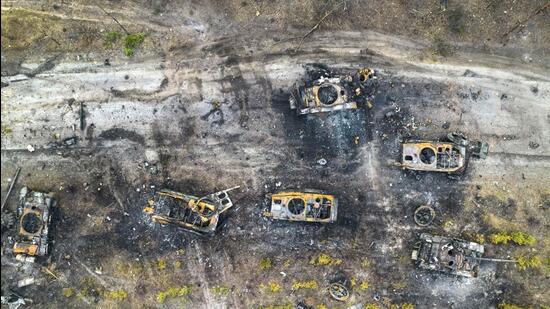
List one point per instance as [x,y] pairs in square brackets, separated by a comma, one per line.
[309,206]
[449,156]
[196,214]
[433,156]
[449,255]
[34,214]
[330,91]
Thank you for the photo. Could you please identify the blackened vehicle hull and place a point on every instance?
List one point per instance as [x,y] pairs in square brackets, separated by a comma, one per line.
[448,255]
[302,206]
[196,214]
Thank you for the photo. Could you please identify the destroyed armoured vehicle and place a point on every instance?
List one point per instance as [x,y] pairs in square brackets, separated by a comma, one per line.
[309,206]
[34,213]
[330,92]
[197,214]
[448,157]
[448,255]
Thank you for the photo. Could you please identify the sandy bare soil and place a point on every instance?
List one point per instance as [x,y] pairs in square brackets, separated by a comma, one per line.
[207,92]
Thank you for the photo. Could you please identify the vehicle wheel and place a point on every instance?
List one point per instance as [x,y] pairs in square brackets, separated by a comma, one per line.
[338,291]
[424,215]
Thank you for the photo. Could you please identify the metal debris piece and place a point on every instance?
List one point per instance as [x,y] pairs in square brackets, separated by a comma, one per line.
[365,73]
[11,187]
[479,149]
[25,282]
[475,148]
[458,138]
[424,215]
[534,145]
[82,117]
[301,304]
[8,220]
[198,214]
[34,219]
[308,206]
[25,259]
[67,142]
[13,300]
[338,291]
[330,92]
[449,255]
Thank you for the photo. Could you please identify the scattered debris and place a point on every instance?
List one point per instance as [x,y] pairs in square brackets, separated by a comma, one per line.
[534,145]
[308,206]
[10,189]
[34,219]
[8,220]
[448,255]
[25,259]
[424,215]
[189,212]
[67,142]
[478,149]
[14,300]
[25,282]
[82,117]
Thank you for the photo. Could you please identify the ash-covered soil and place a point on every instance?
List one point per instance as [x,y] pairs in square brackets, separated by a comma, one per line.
[203,106]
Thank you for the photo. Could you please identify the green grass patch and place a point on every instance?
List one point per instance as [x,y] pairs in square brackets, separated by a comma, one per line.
[220,290]
[300,285]
[118,295]
[519,238]
[529,262]
[325,260]
[173,293]
[6,130]
[131,42]
[365,263]
[475,237]
[364,285]
[68,292]
[272,287]
[266,263]
[161,264]
[287,306]
[509,306]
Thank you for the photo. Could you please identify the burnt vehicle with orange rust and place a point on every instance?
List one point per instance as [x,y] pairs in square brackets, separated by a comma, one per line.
[34,217]
[196,214]
[450,156]
[306,206]
[327,91]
